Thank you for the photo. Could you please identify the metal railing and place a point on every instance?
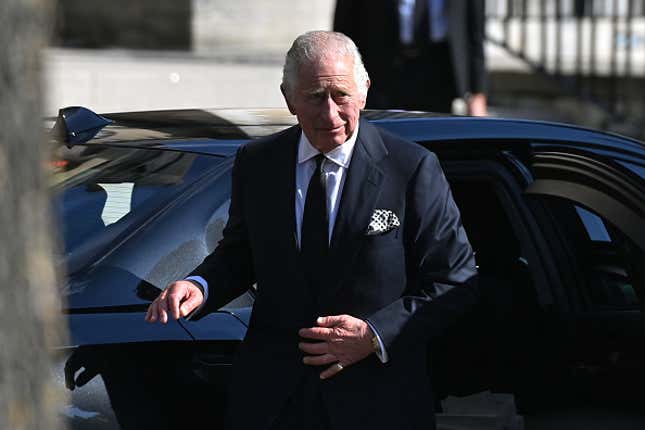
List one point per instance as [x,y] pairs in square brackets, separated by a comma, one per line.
[594,48]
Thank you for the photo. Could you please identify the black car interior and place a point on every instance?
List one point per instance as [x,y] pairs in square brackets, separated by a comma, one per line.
[515,342]
[485,350]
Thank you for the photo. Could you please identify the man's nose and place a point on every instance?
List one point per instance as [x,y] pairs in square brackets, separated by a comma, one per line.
[329,108]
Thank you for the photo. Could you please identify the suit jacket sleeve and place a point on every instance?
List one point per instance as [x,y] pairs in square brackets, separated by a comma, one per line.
[441,267]
[229,269]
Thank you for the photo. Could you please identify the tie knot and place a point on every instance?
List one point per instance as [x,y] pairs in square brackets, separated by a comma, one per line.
[319,159]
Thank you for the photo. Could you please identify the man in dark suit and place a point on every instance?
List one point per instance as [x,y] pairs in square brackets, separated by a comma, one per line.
[421,54]
[358,252]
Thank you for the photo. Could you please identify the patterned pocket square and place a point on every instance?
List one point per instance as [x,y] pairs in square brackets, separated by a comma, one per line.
[383,220]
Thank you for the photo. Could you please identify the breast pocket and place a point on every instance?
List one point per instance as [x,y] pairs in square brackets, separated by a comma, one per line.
[391,236]
[380,248]
[381,263]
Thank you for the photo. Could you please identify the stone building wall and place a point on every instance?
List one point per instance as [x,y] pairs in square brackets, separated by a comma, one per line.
[140,24]
[203,26]
[259,25]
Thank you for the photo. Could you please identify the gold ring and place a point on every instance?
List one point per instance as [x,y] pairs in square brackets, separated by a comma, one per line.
[339,366]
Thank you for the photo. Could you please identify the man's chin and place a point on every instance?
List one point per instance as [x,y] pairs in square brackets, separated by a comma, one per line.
[327,143]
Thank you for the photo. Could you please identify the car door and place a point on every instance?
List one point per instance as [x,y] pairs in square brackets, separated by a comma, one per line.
[537,332]
[591,210]
[494,346]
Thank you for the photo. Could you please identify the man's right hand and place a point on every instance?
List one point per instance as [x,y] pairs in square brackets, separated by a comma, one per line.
[179,299]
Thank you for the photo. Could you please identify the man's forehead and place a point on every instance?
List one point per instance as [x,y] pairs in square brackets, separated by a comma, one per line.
[327,79]
[328,64]
[325,73]
[322,84]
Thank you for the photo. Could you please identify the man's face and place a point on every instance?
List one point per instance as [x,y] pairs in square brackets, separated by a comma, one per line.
[327,102]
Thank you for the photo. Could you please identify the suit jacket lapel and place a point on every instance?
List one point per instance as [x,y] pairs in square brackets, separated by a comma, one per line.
[360,193]
[283,175]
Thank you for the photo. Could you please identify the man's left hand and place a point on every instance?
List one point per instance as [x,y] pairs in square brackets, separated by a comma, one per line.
[344,340]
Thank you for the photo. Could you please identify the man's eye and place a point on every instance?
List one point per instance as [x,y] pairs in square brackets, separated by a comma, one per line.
[342,97]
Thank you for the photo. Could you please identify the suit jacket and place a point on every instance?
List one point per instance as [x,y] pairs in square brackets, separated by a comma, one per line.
[409,282]
[374,26]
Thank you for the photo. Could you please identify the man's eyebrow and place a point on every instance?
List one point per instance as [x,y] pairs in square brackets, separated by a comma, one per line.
[315,91]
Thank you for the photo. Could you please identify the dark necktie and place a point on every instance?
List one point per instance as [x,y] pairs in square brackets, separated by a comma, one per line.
[315,226]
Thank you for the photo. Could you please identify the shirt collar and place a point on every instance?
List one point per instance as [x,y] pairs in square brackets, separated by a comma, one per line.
[340,155]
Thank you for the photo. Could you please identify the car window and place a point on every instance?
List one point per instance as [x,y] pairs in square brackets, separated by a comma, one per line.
[596,230]
[487,224]
[118,202]
[639,169]
[216,224]
[102,192]
[601,255]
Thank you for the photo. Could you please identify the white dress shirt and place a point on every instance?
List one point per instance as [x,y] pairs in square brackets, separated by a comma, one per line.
[406,21]
[334,168]
[436,16]
[438,20]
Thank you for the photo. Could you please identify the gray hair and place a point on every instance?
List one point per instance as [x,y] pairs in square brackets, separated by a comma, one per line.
[315,45]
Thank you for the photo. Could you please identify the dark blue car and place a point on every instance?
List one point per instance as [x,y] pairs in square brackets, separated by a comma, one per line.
[555,213]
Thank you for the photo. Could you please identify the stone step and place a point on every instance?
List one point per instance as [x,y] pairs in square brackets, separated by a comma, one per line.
[480,411]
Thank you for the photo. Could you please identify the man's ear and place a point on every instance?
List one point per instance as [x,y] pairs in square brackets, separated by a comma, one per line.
[364,98]
[286,99]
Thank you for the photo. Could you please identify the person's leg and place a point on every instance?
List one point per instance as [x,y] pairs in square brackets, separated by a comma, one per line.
[305,409]
[439,87]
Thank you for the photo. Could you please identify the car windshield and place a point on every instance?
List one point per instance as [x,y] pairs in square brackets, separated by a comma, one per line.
[101,193]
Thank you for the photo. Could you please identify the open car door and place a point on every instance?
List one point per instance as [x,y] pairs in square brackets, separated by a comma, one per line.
[560,323]
[608,199]
[593,211]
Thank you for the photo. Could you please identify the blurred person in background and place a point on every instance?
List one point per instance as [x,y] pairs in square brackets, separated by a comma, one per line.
[421,54]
